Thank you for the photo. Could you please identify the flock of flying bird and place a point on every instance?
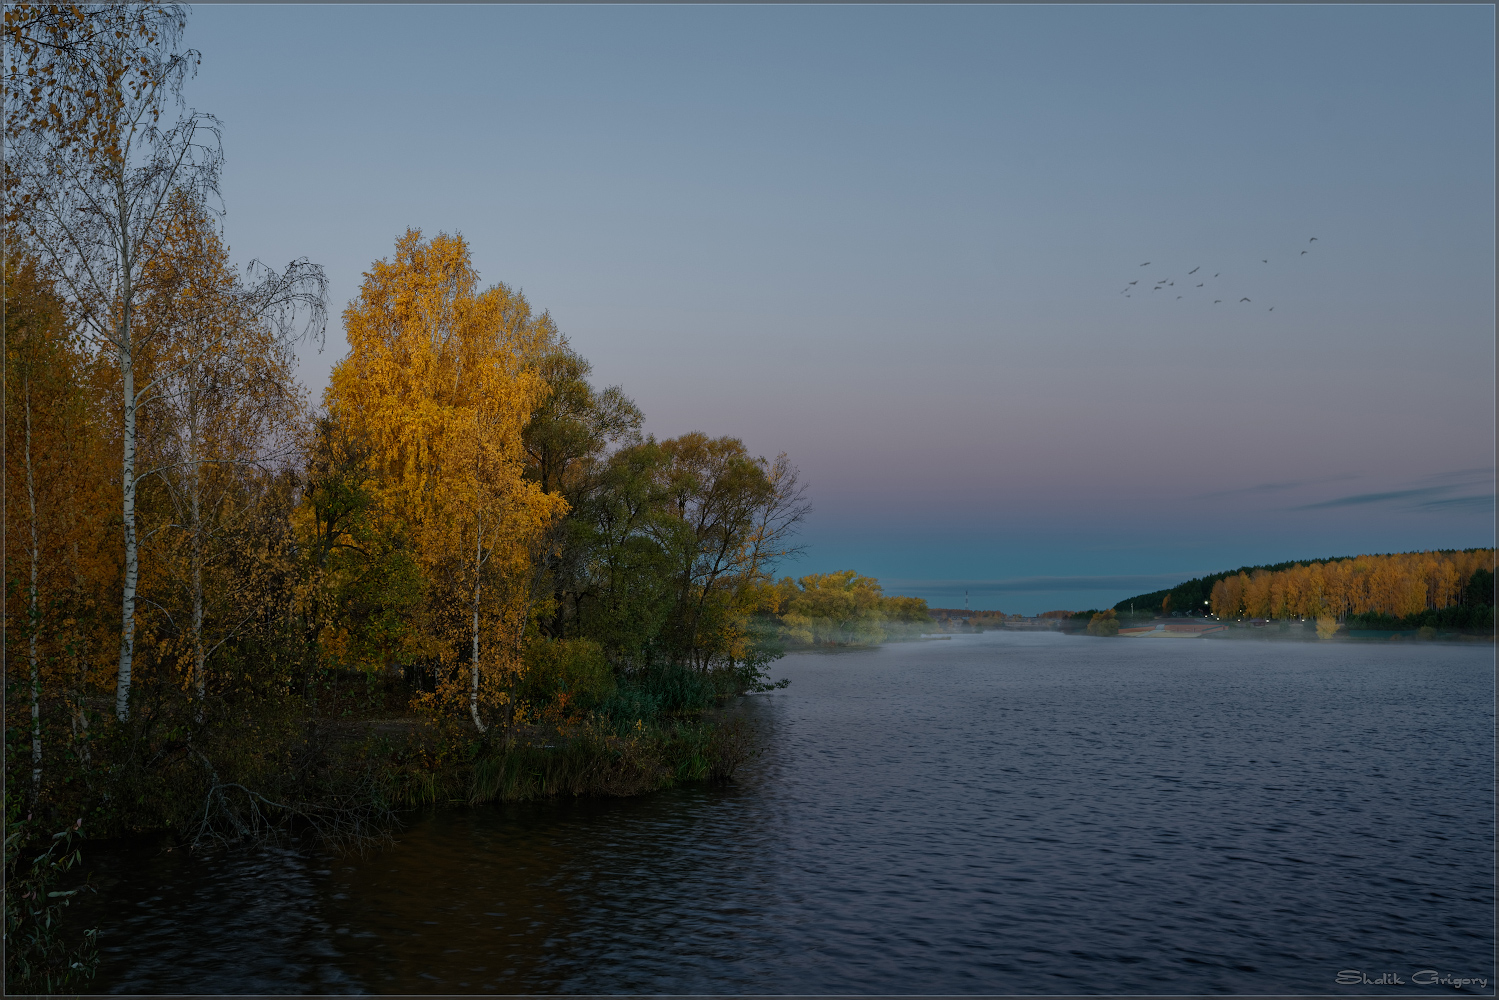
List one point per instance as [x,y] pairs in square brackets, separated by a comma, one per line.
[1160,283]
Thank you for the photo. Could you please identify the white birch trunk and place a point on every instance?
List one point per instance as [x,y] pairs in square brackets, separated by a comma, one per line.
[36,675]
[80,661]
[132,555]
[195,494]
[473,690]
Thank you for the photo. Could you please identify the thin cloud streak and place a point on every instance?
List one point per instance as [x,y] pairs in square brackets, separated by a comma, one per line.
[1361,499]
[1429,498]
[1275,487]
[1458,503]
[1465,477]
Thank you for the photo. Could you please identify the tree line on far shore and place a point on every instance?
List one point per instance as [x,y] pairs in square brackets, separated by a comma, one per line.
[1437,588]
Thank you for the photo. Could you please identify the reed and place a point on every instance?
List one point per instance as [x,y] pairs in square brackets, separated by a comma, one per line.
[593,760]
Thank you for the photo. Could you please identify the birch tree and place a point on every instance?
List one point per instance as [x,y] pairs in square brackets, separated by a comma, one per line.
[438,383]
[50,442]
[227,393]
[99,180]
[97,207]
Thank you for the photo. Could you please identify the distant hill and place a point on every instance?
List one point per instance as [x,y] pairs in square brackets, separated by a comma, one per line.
[1194,597]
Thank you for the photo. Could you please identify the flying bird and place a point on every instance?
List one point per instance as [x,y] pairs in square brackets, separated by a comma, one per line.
[1215,276]
[1244,300]
[1264,262]
[1199,285]
[1272,308]
[1195,269]
[1216,301]
[1312,240]
[1178,296]
[1147,263]
[1135,282]
[1303,253]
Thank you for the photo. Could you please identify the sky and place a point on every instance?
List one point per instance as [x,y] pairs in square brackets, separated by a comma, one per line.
[898,243]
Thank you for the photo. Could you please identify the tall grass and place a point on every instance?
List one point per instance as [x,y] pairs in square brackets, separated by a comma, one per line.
[595,759]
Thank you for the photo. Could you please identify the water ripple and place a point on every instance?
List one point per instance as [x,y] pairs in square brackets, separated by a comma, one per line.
[996,814]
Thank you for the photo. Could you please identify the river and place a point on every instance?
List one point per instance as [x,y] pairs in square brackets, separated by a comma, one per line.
[998,813]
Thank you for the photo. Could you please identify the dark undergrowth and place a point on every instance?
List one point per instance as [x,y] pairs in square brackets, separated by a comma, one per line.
[276,766]
[1476,619]
[592,759]
[334,769]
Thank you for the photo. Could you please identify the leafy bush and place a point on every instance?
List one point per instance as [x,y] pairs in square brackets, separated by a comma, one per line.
[37,958]
[1104,623]
[595,759]
[567,674]
[665,690]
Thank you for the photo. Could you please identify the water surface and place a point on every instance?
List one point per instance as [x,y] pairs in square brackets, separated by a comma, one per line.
[998,813]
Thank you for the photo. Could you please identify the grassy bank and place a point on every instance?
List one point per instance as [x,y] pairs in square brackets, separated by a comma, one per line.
[337,770]
[594,760]
[338,767]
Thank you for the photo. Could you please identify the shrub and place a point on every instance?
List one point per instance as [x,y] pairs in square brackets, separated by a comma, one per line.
[568,674]
[1104,623]
[36,956]
[594,759]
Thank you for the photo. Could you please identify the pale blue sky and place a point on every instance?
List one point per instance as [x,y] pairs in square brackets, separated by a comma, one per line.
[891,242]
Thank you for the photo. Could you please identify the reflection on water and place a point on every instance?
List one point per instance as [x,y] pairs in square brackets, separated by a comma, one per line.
[1001,813]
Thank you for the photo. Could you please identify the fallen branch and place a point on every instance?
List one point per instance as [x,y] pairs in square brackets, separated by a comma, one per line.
[356,820]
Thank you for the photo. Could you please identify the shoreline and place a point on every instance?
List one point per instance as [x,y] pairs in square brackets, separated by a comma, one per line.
[1273,631]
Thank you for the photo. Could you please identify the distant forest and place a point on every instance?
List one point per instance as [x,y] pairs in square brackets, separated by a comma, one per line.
[1445,588]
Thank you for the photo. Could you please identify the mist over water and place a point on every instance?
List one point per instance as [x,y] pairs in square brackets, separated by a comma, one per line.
[995,813]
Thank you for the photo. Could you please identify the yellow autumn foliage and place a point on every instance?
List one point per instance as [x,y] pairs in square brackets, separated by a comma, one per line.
[439,384]
[1399,585]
